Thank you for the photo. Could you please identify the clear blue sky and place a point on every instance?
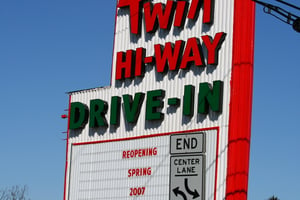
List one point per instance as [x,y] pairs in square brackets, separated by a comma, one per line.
[50,47]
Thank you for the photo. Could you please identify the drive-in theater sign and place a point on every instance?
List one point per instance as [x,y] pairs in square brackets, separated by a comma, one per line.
[175,122]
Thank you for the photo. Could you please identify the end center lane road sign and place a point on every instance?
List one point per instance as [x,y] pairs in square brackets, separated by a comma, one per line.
[187,177]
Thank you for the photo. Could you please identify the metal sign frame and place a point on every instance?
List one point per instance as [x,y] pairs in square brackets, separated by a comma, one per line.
[240,109]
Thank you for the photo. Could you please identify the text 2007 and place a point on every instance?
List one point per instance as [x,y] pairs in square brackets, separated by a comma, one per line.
[137,191]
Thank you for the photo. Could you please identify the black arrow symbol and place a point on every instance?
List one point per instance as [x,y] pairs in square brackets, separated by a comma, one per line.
[195,193]
[179,192]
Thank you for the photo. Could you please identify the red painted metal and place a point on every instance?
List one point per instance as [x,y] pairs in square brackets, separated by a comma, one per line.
[64,116]
[241,101]
[67,152]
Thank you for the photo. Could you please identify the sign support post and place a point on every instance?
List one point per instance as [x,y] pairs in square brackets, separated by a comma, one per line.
[241,101]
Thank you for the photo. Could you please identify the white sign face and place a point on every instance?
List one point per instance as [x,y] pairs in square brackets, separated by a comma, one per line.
[181,88]
[187,177]
[122,170]
[142,168]
[188,143]
[187,166]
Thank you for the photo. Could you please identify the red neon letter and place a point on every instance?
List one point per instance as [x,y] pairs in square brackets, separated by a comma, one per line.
[169,56]
[139,62]
[181,10]
[213,45]
[158,14]
[192,54]
[135,9]
[125,64]
[208,10]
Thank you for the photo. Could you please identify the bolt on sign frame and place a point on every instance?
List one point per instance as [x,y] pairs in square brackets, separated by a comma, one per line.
[180,69]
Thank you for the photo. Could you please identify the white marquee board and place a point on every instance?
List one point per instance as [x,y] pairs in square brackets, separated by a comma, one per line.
[139,168]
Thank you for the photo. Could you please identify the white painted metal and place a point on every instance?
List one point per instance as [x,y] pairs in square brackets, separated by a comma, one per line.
[99,170]
[173,83]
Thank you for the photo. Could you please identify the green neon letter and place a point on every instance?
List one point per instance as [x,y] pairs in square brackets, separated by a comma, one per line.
[210,97]
[98,109]
[115,110]
[78,115]
[154,102]
[188,100]
[132,107]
